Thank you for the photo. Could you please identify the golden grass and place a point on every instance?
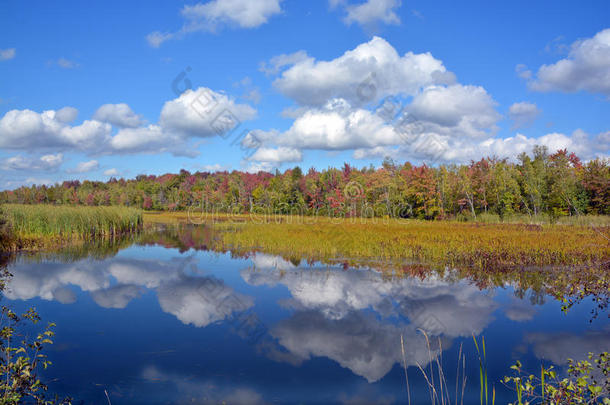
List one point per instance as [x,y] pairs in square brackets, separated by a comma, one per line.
[407,241]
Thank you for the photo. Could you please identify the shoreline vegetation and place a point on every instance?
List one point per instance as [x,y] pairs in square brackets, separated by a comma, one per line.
[41,227]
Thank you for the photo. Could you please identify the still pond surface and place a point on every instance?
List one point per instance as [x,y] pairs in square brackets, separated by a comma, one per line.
[160,323]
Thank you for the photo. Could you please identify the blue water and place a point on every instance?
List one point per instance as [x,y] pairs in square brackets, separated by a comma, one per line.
[152,325]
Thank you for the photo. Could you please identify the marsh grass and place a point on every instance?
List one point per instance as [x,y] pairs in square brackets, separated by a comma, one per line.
[413,241]
[540,219]
[32,225]
[198,216]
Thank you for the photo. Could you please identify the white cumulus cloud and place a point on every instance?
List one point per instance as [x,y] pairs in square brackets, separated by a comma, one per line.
[442,116]
[196,113]
[85,167]
[367,73]
[45,162]
[523,114]
[29,130]
[586,68]
[372,12]
[278,62]
[444,149]
[215,14]
[419,112]
[338,126]
[149,139]
[120,115]
[456,110]
[204,113]
[111,172]
[277,155]
[66,114]
[243,13]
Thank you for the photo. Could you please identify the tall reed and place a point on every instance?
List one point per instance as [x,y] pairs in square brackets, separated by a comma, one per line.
[65,222]
[438,389]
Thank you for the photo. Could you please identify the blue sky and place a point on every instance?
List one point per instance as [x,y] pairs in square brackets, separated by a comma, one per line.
[294,83]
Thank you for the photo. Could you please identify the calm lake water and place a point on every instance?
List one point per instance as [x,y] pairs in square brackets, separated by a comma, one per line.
[156,324]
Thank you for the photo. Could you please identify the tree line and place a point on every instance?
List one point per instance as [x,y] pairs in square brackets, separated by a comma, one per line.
[557,184]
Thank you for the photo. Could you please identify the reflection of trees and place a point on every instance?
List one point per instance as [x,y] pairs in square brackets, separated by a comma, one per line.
[519,310]
[182,237]
[568,284]
[536,297]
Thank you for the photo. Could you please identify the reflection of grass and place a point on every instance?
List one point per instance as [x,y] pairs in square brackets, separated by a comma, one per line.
[98,249]
[195,217]
[32,226]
